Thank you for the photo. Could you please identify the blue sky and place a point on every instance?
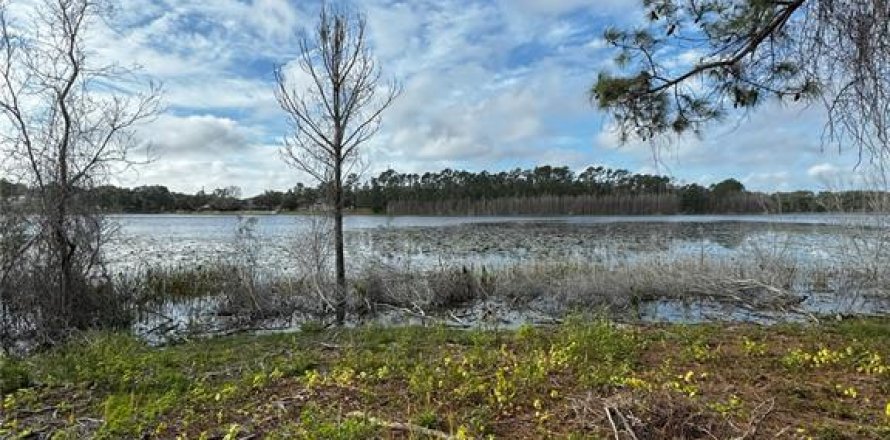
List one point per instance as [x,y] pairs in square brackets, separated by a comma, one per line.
[492,84]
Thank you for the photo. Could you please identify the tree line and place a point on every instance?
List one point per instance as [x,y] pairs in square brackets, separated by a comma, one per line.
[543,190]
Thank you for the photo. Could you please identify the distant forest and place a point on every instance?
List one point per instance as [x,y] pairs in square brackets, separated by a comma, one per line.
[544,190]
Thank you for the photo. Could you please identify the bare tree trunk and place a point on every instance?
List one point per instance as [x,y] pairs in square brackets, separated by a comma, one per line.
[338,246]
[64,311]
[64,247]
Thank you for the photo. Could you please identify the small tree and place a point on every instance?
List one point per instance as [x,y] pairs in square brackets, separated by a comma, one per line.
[334,102]
[65,123]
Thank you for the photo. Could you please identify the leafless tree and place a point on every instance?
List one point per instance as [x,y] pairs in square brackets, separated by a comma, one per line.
[65,124]
[334,99]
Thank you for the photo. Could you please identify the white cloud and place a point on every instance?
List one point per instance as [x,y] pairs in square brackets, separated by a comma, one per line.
[776,147]
[824,171]
[488,84]
[556,7]
[172,136]
[776,180]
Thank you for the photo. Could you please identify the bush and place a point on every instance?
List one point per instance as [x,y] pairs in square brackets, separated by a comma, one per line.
[13,376]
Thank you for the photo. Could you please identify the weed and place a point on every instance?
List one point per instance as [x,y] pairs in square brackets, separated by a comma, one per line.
[753,348]
[532,382]
[427,419]
[13,375]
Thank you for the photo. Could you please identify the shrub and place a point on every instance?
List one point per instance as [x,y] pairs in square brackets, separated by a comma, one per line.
[13,376]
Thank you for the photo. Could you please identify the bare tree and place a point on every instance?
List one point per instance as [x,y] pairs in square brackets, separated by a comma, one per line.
[334,102]
[65,123]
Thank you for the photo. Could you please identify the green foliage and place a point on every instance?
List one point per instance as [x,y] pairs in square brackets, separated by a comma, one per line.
[312,327]
[183,282]
[608,89]
[428,419]
[727,187]
[119,413]
[315,423]
[654,96]
[117,363]
[694,199]
[528,383]
[129,414]
[863,330]
[600,351]
[546,189]
[144,384]
[14,375]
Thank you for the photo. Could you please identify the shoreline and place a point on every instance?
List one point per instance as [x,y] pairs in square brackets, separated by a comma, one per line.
[542,216]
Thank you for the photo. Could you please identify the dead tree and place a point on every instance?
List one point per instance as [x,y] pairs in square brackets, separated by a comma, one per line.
[65,124]
[334,98]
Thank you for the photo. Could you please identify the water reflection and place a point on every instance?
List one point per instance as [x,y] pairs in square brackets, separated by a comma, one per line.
[491,241]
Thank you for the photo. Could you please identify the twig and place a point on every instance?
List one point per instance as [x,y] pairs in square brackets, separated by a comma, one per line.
[757,418]
[35,412]
[782,432]
[404,310]
[612,422]
[329,346]
[626,424]
[163,327]
[397,426]
[457,320]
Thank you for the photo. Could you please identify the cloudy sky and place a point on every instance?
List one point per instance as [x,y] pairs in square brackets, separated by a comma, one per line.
[488,84]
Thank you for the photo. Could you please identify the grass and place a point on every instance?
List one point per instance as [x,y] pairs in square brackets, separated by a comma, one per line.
[553,288]
[574,381]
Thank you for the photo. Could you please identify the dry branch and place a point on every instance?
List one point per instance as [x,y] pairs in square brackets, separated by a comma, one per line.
[404,427]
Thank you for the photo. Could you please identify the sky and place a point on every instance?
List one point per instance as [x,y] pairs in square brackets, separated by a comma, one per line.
[488,85]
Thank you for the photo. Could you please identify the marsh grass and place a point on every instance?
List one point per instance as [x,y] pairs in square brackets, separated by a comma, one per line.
[768,283]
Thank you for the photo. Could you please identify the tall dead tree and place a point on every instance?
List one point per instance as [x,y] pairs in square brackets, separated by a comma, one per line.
[334,98]
[65,124]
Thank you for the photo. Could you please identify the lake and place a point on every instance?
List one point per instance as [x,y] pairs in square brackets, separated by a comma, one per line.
[811,246]
[491,241]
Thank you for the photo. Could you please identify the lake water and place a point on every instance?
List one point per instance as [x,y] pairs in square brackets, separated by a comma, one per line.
[490,241]
[827,243]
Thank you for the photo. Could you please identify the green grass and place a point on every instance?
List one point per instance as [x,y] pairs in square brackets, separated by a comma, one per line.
[829,381]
